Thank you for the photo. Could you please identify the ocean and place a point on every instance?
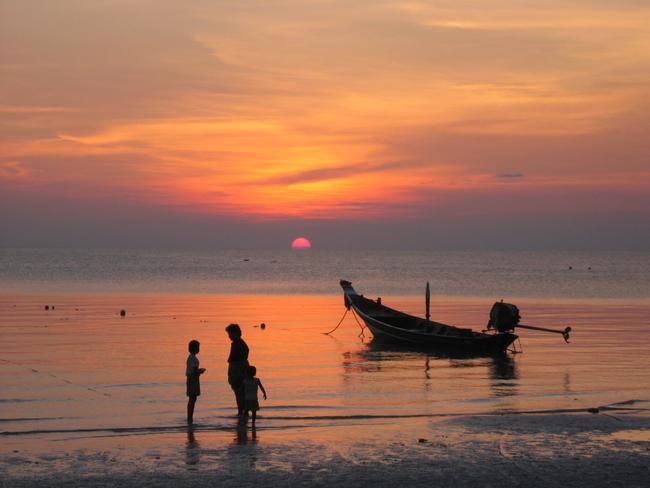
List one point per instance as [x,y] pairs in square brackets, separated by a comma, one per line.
[494,275]
[78,377]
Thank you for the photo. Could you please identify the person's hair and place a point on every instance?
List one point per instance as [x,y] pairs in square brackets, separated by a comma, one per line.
[234,330]
[193,346]
[252,371]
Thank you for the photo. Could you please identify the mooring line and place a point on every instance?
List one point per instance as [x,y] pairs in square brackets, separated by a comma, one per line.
[337,325]
[357,319]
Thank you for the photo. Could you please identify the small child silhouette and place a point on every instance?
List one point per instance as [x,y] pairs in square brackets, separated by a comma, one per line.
[251,384]
[192,372]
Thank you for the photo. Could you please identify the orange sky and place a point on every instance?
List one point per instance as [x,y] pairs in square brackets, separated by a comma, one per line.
[312,110]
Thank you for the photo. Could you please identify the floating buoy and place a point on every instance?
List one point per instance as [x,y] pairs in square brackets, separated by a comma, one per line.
[47,307]
[262,326]
[570,267]
[122,313]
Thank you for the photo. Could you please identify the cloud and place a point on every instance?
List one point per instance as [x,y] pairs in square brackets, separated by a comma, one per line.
[13,170]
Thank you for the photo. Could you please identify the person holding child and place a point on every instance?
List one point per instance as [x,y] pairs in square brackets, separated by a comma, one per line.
[251,385]
[192,372]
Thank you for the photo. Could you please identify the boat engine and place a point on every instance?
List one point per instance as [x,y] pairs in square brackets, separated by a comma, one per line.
[504,317]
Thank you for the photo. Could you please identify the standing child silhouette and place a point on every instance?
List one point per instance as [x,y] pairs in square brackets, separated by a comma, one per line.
[251,384]
[192,372]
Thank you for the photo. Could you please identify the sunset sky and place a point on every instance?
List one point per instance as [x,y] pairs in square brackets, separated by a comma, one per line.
[398,124]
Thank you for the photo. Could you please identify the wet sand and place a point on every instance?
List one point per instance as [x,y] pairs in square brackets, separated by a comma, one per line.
[590,450]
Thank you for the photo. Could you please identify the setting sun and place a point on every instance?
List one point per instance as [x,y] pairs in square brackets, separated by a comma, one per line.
[301,243]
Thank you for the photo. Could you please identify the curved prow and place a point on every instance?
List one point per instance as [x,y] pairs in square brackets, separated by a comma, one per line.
[347,292]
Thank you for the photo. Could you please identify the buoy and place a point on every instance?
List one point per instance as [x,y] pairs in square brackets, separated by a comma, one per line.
[262,326]
[122,313]
[47,307]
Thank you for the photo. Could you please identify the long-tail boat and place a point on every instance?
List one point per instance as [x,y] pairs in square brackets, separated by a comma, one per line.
[395,326]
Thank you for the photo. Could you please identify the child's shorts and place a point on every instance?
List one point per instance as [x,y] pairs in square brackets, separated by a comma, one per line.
[193,387]
[252,405]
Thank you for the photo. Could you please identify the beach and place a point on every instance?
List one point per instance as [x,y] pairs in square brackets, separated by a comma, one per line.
[92,398]
[513,450]
[427,219]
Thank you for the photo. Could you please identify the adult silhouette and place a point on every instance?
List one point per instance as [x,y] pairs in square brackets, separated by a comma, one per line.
[237,365]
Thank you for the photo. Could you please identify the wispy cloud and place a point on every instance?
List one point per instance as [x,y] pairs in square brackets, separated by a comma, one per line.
[13,170]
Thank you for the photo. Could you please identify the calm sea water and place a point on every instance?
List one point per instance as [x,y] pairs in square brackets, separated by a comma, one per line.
[81,366]
[457,274]
[80,370]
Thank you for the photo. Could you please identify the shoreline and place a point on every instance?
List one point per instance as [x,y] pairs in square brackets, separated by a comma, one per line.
[616,408]
[580,449]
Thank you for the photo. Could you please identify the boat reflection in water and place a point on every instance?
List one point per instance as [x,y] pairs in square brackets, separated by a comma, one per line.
[503,375]
[416,378]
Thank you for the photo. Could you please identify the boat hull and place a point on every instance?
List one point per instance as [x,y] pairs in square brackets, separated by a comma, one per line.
[421,336]
[491,342]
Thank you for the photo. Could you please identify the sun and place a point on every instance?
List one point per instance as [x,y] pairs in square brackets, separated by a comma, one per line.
[301,243]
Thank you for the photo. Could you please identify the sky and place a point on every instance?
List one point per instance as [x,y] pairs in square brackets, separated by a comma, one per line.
[376,123]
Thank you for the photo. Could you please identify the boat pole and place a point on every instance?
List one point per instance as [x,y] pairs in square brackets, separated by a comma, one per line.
[565,333]
[427,300]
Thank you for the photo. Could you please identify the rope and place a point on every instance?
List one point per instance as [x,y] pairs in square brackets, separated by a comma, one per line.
[363,328]
[34,370]
[514,347]
[343,318]
[340,322]
[357,319]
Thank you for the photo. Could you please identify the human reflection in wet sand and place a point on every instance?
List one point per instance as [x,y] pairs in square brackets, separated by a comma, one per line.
[243,436]
[243,447]
[192,448]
